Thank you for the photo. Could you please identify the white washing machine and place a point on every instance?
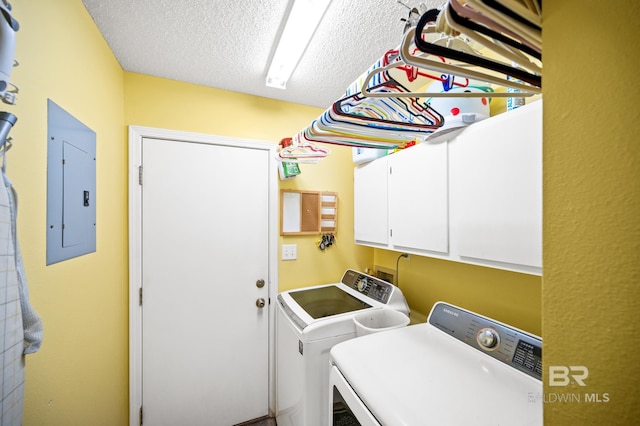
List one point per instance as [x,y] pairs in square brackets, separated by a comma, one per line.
[458,368]
[309,323]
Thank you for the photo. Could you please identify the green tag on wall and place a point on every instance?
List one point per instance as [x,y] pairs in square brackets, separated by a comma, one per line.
[288,170]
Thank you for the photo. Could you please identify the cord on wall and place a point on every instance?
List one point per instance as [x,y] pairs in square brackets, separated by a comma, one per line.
[405,255]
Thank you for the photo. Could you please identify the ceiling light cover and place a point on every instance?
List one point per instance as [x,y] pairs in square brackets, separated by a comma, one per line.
[303,20]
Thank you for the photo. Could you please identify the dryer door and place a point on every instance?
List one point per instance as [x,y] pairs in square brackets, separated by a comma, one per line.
[345,408]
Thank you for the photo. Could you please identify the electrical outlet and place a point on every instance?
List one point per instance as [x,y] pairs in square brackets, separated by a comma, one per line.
[289,251]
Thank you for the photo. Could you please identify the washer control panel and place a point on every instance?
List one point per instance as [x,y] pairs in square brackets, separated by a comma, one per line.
[375,288]
[509,345]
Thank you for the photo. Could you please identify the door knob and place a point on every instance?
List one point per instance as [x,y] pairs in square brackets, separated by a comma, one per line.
[260,283]
[260,303]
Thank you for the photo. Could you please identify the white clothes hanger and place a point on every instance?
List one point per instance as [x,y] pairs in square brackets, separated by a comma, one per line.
[529,10]
[473,15]
[506,51]
[422,62]
[484,63]
[533,35]
[302,151]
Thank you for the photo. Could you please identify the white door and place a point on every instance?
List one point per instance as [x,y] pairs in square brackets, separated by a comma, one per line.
[205,245]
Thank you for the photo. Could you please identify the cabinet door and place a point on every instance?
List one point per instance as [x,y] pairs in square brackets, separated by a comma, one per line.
[370,203]
[418,192]
[496,189]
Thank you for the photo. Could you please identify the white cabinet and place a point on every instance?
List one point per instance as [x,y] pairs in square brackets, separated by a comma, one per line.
[475,199]
[496,190]
[370,203]
[418,214]
[400,201]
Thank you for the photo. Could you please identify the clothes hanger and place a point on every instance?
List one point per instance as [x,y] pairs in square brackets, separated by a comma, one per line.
[481,92]
[401,113]
[502,45]
[499,7]
[7,121]
[476,17]
[394,132]
[358,122]
[302,151]
[375,118]
[356,86]
[433,49]
[382,73]
[456,17]
[490,9]
[422,62]
[390,113]
[326,129]
[315,134]
[410,76]
[527,9]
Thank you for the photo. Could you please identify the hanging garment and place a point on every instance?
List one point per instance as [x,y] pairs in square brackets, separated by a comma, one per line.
[21,325]
[31,322]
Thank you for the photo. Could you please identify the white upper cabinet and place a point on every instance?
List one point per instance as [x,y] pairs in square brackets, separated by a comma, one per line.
[496,190]
[475,199]
[370,203]
[418,213]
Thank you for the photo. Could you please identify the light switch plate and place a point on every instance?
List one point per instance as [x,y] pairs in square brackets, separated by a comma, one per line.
[289,251]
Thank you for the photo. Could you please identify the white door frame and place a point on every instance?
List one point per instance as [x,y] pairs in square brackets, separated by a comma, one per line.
[136,134]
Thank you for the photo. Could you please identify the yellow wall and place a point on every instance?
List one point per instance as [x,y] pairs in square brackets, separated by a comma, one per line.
[80,375]
[592,207]
[162,103]
[510,297]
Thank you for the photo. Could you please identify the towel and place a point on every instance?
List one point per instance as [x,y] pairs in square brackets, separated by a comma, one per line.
[31,321]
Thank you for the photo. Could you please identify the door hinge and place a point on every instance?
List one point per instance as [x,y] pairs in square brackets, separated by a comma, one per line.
[391,232]
[390,170]
[140,415]
[140,296]
[139,175]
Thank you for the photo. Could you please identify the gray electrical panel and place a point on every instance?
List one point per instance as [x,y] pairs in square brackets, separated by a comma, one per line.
[71,186]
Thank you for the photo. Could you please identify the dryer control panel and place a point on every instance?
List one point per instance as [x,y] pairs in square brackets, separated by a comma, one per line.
[507,344]
[375,288]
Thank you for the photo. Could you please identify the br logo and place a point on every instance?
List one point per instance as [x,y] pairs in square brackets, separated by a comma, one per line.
[562,375]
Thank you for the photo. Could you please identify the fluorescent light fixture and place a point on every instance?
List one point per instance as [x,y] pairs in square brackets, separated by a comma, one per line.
[303,20]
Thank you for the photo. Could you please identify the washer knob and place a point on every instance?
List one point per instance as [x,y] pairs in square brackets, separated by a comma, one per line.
[362,284]
[488,338]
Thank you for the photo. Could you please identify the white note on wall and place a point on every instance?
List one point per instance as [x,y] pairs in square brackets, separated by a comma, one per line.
[291,220]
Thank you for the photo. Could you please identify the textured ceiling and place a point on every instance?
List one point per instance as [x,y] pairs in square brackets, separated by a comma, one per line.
[229,44]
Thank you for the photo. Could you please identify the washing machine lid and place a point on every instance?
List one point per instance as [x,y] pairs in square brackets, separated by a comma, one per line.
[320,302]
[323,311]
[330,307]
